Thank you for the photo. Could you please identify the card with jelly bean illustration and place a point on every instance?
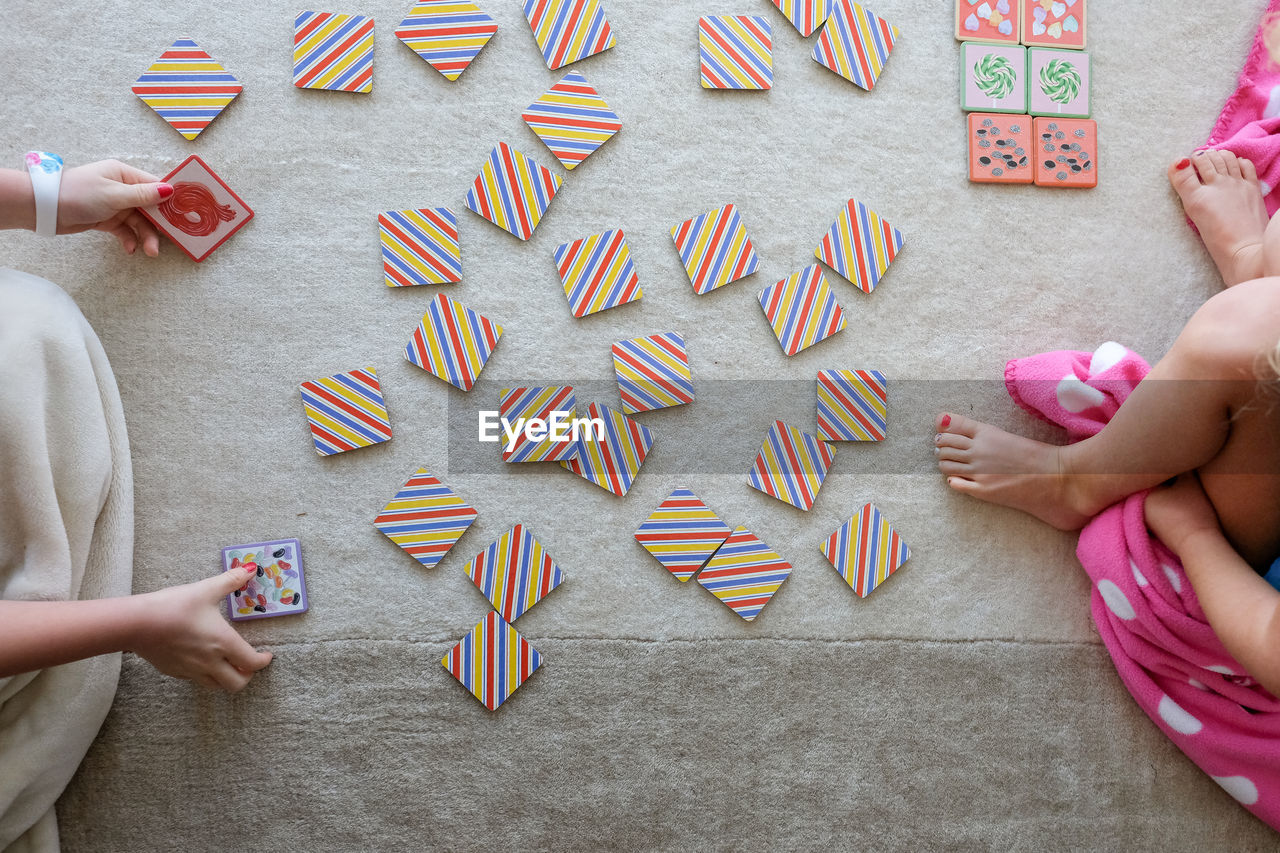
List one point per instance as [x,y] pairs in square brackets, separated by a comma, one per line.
[992,21]
[202,213]
[277,586]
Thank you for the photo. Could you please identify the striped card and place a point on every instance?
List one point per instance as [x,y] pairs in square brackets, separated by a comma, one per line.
[568,30]
[453,342]
[866,550]
[805,15]
[613,460]
[744,573]
[735,52]
[519,405]
[425,518]
[492,661]
[572,120]
[860,245]
[682,533]
[791,465]
[597,273]
[852,405]
[855,43]
[332,51]
[420,247]
[653,372]
[515,572]
[512,191]
[447,34]
[346,411]
[715,249]
[802,310]
[187,87]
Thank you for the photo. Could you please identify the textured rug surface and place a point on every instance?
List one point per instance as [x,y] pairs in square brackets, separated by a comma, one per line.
[967,703]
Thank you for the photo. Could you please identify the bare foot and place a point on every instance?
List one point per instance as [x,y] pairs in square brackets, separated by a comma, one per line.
[996,466]
[1220,193]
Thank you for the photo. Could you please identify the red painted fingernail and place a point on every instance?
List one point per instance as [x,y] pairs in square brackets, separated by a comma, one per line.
[166,190]
[1183,163]
[946,421]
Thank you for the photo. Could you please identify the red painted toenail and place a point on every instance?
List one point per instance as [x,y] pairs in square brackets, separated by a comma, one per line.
[1183,163]
[946,421]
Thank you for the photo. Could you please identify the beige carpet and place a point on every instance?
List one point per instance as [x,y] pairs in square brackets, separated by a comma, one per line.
[968,704]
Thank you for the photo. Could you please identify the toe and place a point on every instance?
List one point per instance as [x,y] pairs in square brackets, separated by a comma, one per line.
[1204,167]
[951,468]
[1231,162]
[1219,162]
[1183,178]
[957,425]
[962,485]
[952,454]
[1248,171]
[953,439]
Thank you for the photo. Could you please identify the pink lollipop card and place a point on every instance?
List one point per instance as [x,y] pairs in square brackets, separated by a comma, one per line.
[276,587]
[202,213]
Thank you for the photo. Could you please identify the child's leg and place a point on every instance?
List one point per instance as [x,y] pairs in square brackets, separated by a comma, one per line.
[1177,420]
[1221,195]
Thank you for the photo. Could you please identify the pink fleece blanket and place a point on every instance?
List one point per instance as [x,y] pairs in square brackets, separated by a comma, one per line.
[1250,122]
[1143,605]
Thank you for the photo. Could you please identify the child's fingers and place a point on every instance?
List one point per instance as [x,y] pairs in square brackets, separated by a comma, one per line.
[206,681]
[228,582]
[228,677]
[124,196]
[130,175]
[128,239]
[146,233]
[245,657]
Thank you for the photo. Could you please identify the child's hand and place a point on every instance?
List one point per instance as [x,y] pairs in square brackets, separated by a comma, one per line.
[1174,513]
[186,635]
[103,196]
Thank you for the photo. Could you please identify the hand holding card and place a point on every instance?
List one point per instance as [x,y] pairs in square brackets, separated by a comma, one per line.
[202,213]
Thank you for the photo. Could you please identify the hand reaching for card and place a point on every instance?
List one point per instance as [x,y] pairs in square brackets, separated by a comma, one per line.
[104,196]
[187,637]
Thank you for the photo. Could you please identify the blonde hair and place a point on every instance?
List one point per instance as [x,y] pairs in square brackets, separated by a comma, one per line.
[1271,36]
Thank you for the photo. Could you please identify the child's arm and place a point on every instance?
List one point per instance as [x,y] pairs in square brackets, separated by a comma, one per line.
[179,630]
[1242,608]
[102,196]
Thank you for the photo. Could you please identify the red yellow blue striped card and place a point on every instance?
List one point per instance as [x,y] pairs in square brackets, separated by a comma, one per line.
[447,34]
[420,247]
[860,245]
[805,15]
[802,310]
[425,518]
[865,550]
[855,43]
[515,572]
[735,52]
[852,405]
[715,249]
[187,87]
[346,411]
[513,191]
[568,30]
[492,661]
[744,573]
[333,51]
[653,372]
[520,405]
[611,460]
[597,273]
[452,342]
[682,533]
[572,120]
[791,465]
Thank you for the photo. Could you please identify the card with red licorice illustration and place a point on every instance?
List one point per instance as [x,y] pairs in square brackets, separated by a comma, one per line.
[277,586]
[202,213]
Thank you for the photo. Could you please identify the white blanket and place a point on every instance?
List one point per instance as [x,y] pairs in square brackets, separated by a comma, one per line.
[66,532]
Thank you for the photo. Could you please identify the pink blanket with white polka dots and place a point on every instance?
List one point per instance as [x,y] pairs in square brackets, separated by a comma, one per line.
[1143,605]
[1249,125]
